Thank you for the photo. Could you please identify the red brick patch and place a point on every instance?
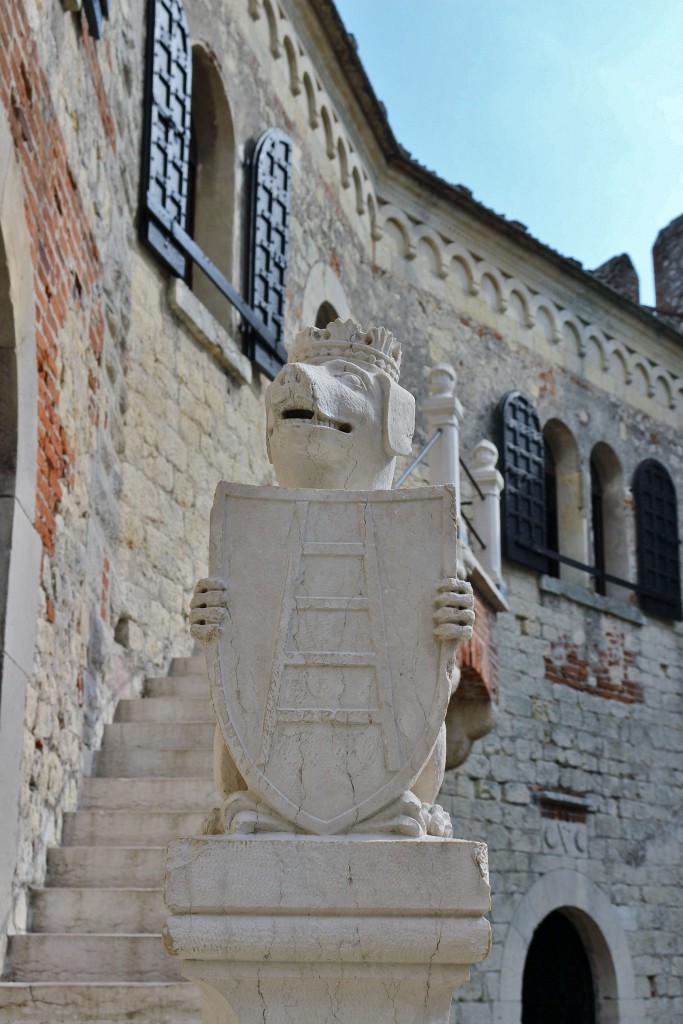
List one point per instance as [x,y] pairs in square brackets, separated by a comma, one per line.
[602,669]
[65,260]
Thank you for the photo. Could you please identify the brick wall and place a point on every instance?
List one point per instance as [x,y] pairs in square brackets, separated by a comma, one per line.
[65,257]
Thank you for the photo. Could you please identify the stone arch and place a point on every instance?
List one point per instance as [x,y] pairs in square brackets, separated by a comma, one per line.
[663,392]
[323,287]
[518,308]
[431,245]
[546,319]
[597,343]
[568,484]
[293,65]
[459,261]
[599,926]
[641,376]
[273,35]
[309,88]
[491,286]
[571,334]
[211,206]
[397,227]
[22,561]
[358,187]
[343,163]
[611,519]
[518,302]
[619,363]
[375,232]
[329,133]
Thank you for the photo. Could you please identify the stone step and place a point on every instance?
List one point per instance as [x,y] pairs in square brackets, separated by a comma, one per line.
[129,828]
[197,795]
[159,735]
[113,911]
[177,686]
[192,666]
[138,763]
[165,709]
[99,1003]
[117,867]
[64,957]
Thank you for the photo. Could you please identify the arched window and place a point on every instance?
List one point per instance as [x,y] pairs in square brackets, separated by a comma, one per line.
[557,985]
[659,576]
[608,519]
[326,314]
[565,500]
[523,467]
[551,522]
[597,526]
[165,182]
[211,182]
[271,177]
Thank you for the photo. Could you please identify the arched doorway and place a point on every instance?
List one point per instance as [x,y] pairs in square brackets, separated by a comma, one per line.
[557,985]
[602,936]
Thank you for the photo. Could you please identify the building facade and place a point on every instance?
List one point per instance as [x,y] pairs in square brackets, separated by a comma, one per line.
[182,187]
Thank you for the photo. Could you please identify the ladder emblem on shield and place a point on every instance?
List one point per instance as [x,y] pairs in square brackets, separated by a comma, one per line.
[330,664]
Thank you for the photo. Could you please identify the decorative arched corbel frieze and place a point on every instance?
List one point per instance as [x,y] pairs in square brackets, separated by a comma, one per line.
[429,238]
[309,88]
[273,31]
[390,214]
[593,336]
[493,294]
[293,64]
[641,370]
[570,330]
[358,187]
[545,316]
[458,260]
[518,297]
[330,147]
[343,155]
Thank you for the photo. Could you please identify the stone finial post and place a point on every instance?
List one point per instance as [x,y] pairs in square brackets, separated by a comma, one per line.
[444,411]
[487,509]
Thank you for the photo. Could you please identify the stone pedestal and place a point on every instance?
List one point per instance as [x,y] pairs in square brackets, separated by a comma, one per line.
[307,930]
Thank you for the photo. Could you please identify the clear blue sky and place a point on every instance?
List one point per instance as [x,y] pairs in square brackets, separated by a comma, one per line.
[564,114]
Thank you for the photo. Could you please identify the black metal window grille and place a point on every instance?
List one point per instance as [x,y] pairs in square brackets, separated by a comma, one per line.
[166,168]
[523,467]
[271,184]
[166,146]
[659,577]
[95,13]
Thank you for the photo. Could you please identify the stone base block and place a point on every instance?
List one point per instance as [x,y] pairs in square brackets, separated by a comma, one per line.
[322,993]
[306,929]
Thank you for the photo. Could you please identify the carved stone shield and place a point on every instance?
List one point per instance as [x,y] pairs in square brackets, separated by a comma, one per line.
[327,680]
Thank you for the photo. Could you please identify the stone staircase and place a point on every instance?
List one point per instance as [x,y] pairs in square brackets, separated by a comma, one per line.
[94,952]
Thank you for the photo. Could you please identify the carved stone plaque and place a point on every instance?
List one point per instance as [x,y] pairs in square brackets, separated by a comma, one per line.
[327,680]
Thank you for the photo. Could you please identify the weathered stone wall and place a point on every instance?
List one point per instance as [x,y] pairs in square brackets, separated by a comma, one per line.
[139,419]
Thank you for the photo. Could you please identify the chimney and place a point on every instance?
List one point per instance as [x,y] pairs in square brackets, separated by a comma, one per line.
[620,274]
[667,253]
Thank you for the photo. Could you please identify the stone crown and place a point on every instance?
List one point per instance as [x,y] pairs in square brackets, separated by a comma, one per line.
[376,348]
